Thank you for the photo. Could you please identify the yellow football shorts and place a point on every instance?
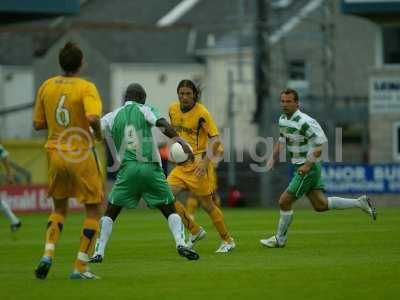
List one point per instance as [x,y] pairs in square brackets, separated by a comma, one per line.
[70,177]
[183,176]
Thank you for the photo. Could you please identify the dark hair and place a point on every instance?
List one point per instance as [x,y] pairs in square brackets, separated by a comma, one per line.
[135,92]
[289,91]
[70,57]
[190,84]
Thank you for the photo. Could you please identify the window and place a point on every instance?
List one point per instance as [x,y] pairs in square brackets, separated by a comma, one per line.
[298,73]
[391,45]
[297,70]
[396,141]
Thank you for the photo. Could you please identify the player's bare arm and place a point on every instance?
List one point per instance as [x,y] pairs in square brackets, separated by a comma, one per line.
[166,128]
[39,125]
[170,132]
[214,153]
[312,157]
[94,122]
[278,147]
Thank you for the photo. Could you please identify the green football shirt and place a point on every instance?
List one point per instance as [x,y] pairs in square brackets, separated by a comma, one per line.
[128,132]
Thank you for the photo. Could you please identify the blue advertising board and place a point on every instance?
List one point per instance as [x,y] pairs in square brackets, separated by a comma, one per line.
[359,179]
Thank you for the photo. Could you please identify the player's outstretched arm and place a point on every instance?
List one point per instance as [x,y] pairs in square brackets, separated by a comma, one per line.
[166,128]
[170,132]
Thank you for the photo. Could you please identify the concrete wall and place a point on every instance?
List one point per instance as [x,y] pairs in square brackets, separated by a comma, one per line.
[16,88]
[159,80]
[217,91]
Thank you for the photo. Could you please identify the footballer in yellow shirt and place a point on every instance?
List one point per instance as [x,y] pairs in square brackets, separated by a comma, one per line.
[194,123]
[68,106]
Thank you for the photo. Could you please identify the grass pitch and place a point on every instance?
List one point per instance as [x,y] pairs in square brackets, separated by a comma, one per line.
[334,255]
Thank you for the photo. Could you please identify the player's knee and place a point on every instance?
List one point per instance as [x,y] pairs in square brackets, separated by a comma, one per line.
[113,211]
[61,206]
[61,211]
[320,207]
[285,203]
[207,204]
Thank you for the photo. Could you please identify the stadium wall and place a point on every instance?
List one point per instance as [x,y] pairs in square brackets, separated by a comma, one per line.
[159,80]
[216,95]
[16,88]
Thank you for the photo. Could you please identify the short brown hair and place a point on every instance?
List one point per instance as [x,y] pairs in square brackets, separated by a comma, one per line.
[289,91]
[70,57]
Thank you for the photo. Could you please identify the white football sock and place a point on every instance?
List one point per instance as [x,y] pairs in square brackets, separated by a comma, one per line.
[8,213]
[342,203]
[106,224]
[285,220]
[176,227]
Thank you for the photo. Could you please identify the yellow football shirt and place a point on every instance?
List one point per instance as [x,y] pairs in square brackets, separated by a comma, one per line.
[195,126]
[63,103]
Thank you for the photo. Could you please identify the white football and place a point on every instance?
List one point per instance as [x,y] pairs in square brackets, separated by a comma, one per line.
[176,153]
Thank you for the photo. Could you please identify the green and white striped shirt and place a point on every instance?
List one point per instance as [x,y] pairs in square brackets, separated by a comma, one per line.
[130,128]
[301,134]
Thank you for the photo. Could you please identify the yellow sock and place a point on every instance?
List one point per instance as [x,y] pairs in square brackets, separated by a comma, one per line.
[217,199]
[53,232]
[192,226]
[191,205]
[90,228]
[218,219]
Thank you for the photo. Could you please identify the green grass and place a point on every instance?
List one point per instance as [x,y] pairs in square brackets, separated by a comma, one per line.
[335,255]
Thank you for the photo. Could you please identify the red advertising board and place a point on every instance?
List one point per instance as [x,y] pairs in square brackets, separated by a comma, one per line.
[32,198]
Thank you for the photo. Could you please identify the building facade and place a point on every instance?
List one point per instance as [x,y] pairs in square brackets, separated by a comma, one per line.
[383,76]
